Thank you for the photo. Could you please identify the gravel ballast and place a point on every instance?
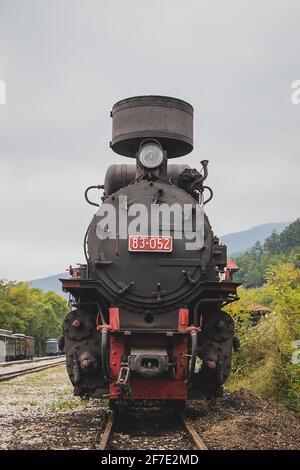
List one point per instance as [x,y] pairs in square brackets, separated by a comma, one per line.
[39,411]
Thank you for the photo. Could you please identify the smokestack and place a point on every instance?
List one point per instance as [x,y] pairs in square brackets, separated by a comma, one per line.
[168,120]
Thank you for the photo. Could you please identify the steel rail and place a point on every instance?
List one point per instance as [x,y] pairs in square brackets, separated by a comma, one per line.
[189,427]
[107,432]
[34,360]
[20,372]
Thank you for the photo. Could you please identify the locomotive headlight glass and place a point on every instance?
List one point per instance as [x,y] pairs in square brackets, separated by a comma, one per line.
[151,156]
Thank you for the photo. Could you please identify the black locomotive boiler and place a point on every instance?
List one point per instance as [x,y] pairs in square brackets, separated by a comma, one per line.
[147,320]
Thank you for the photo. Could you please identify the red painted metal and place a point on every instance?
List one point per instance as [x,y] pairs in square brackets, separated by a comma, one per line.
[70,284]
[183,319]
[145,243]
[76,323]
[114,319]
[75,272]
[158,389]
[155,389]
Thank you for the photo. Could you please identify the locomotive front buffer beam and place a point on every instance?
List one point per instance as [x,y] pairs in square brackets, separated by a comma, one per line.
[148,366]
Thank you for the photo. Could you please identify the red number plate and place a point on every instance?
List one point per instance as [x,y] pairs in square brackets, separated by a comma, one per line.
[150,244]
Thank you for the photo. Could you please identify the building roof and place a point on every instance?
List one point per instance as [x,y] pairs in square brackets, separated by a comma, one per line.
[259,308]
[232,265]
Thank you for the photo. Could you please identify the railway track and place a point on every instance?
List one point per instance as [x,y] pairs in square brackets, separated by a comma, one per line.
[15,370]
[195,439]
[189,427]
[34,360]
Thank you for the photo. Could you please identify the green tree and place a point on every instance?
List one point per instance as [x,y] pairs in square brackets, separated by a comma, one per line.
[31,311]
[271,243]
[290,237]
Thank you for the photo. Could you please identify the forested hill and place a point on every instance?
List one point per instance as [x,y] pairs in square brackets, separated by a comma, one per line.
[277,248]
[238,242]
[51,283]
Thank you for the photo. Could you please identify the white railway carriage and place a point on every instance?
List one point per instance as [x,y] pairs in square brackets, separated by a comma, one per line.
[51,347]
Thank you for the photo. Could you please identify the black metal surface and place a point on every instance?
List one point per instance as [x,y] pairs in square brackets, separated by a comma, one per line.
[169,120]
[119,176]
[86,194]
[122,275]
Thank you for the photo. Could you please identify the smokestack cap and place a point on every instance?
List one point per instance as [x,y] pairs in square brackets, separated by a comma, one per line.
[168,120]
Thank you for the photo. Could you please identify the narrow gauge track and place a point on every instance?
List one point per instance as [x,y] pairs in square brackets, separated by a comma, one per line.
[19,369]
[109,439]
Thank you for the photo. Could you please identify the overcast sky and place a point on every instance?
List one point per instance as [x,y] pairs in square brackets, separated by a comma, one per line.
[66,62]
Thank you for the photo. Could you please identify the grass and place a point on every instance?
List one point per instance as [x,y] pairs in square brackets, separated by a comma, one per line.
[45,378]
[105,402]
[259,380]
[65,405]
[50,389]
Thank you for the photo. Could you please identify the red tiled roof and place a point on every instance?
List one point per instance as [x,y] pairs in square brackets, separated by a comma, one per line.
[231,265]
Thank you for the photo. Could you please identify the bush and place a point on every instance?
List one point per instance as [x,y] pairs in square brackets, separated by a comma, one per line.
[264,362]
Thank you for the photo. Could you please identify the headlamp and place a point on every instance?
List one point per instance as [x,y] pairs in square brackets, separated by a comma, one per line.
[151,156]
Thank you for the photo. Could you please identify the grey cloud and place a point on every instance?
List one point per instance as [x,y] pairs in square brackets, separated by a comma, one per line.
[66,62]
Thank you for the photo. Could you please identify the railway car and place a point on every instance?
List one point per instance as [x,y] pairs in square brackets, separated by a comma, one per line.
[7,346]
[51,347]
[16,346]
[29,347]
[20,341]
[147,321]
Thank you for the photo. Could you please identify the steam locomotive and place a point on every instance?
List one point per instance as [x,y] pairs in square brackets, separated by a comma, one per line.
[147,320]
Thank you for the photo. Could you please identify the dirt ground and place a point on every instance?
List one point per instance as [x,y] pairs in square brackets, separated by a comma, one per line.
[38,411]
[243,420]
